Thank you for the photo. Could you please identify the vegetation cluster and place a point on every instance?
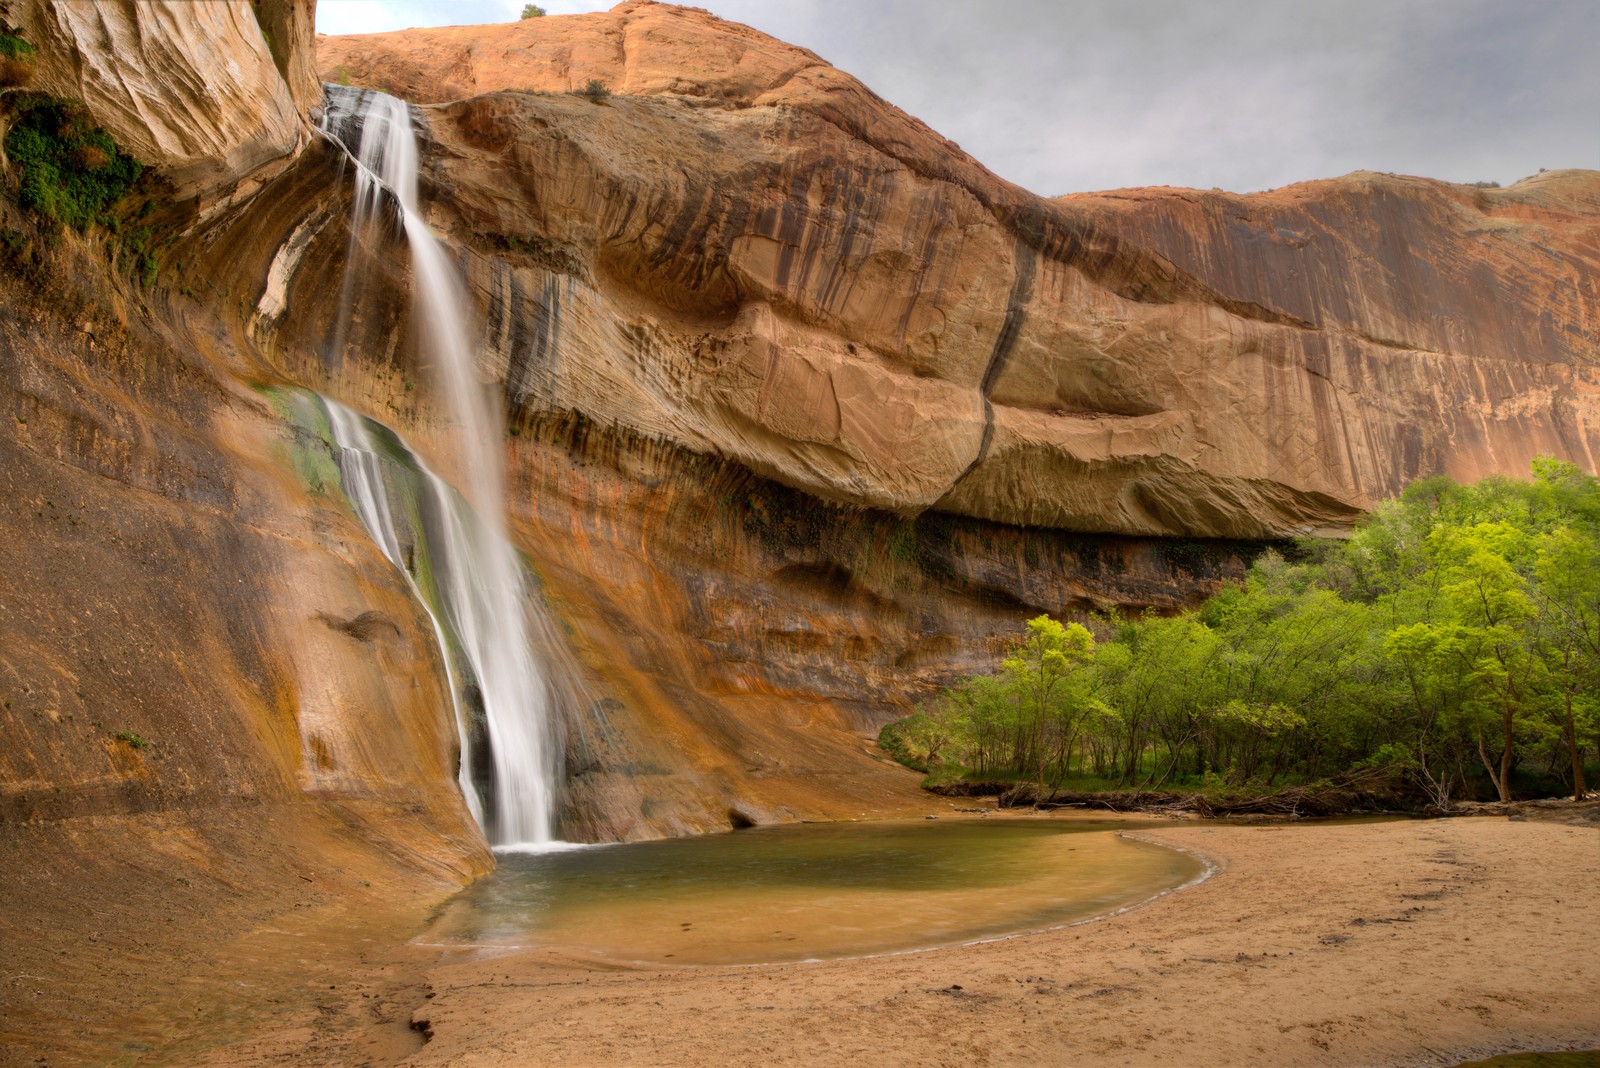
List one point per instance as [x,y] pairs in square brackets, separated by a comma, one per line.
[15,65]
[70,168]
[1450,647]
[66,170]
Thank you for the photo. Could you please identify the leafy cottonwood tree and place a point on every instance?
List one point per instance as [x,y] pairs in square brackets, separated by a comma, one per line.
[1567,569]
[1458,625]
[1045,676]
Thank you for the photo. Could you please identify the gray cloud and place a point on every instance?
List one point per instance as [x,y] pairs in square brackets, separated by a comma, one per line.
[1244,95]
[1241,94]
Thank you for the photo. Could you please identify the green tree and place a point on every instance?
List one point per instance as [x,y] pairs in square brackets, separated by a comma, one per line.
[1567,570]
[532,11]
[1495,618]
[1044,674]
[939,729]
[1159,673]
[1436,686]
[1257,727]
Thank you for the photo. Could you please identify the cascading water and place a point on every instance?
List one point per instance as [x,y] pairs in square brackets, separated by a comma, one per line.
[361,474]
[478,586]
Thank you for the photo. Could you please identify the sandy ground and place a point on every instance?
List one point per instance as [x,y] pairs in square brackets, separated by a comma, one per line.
[1427,943]
[151,938]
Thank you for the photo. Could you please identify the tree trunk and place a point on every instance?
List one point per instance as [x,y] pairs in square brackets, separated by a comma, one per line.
[1505,756]
[1579,787]
[1488,765]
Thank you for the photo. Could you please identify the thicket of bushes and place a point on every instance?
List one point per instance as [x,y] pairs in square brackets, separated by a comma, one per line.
[1452,643]
[67,170]
[70,168]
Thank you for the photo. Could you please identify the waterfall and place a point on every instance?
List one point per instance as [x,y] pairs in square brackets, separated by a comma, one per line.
[361,475]
[509,770]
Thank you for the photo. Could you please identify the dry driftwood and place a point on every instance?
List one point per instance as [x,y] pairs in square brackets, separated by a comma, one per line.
[1359,792]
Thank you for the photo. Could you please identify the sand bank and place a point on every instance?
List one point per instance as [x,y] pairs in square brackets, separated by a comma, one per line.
[1425,942]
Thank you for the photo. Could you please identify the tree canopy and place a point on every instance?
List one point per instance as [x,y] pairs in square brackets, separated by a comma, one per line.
[1452,641]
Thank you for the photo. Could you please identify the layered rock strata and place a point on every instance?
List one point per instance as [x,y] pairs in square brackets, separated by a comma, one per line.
[808,412]
[745,250]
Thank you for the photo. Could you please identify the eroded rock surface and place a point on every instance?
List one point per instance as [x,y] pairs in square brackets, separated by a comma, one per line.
[747,251]
[808,412]
[222,709]
[190,88]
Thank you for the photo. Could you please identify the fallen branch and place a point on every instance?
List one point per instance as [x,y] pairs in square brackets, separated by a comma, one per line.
[1363,791]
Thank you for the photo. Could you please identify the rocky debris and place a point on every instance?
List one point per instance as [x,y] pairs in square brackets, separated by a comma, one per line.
[1586,811]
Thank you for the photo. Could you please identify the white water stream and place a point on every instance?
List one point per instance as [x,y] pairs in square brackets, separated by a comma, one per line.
[478,583]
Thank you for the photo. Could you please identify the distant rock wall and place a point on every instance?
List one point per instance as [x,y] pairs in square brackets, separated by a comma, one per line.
[746,251]
[809,411]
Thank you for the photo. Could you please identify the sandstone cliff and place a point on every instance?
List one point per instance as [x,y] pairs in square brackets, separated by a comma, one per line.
[745,264]
[191,87]
[747,251]
[807,409]
[180,570]
[221,707]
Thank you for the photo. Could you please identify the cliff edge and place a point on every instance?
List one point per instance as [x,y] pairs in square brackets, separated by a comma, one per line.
[745,250]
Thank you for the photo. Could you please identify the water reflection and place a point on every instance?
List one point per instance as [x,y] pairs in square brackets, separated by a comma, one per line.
[811,891]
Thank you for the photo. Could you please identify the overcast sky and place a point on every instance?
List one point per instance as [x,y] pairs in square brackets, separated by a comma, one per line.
[1071,95]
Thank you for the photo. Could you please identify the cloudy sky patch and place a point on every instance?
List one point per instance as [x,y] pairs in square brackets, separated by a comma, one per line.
[1239,94]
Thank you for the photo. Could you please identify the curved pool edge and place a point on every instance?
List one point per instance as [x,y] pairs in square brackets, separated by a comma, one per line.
[1209,866]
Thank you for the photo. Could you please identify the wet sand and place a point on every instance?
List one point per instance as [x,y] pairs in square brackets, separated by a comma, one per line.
[1426,942]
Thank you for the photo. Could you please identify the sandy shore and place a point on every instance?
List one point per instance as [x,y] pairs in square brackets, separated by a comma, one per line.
[1426,943]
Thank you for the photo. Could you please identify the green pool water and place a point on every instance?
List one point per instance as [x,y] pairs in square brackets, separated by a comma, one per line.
[811,891]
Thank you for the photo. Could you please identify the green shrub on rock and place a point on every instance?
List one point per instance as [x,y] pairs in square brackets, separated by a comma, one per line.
[16,67]
[71,170]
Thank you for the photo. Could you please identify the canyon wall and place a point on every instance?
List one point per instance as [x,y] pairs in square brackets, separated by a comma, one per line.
[745,250]
[221,706]
[195,618]
[807,411]
[764,607]
[745,262]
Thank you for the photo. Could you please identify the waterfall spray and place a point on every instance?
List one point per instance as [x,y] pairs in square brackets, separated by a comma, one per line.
[479,584]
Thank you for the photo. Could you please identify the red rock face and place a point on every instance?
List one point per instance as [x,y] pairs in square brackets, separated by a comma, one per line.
[729,311]
[746,251]
[918,395]
[810,409]
[192,88]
